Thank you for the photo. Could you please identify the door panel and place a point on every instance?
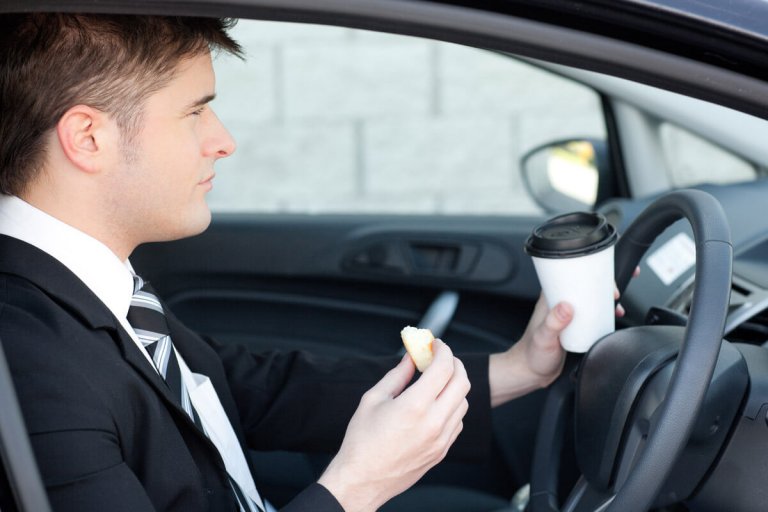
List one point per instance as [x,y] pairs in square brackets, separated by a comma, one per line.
[252,279]
[321,246]
[299,282]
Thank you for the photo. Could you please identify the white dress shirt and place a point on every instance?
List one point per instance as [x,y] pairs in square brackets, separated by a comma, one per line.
[111,280]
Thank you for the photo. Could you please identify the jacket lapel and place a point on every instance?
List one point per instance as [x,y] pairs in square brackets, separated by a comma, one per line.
[132,354]
[201,358]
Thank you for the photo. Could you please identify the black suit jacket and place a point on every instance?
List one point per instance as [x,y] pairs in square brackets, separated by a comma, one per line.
[108,435]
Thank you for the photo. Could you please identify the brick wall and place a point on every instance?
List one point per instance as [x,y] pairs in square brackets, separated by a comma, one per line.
[330,119]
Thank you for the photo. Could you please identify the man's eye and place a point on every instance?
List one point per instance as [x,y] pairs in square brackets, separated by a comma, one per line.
[198,111]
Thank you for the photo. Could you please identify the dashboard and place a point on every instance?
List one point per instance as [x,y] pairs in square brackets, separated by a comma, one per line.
[665,283]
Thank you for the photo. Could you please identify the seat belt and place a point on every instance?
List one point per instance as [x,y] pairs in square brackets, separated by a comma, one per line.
[16,450]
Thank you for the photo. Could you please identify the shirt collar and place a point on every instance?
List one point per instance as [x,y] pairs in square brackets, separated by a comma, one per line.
[110,279]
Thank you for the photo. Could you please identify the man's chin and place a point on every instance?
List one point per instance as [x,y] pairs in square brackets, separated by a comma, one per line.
[200,225]
[188,227]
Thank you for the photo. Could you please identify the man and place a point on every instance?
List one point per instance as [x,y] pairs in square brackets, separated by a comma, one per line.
[107,141]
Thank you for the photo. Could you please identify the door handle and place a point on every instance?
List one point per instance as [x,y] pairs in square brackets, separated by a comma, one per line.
[438,315]
[442,259]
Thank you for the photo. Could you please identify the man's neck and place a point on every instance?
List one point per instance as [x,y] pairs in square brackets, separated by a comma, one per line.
[79,215]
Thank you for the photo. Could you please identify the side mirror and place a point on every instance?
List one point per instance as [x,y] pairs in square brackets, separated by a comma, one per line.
[567,175]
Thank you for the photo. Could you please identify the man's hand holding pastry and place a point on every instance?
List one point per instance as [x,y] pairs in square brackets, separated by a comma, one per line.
[399,432]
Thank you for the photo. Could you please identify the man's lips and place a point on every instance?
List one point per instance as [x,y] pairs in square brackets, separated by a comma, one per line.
[207,179]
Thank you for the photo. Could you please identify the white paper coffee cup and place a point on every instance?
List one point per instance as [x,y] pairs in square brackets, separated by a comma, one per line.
[573,257]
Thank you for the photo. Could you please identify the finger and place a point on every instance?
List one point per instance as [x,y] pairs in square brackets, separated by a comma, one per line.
[558,319]
[540,310]
[455,391]
[457,415]
[437,375]
[396,379]
[452,438]
[616,293]
[620,312]
[451,428]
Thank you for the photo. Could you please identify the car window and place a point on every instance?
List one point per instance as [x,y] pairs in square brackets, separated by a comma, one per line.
[692,160]
[331,119]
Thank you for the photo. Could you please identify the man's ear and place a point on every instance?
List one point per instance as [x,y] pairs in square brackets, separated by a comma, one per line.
[86,136]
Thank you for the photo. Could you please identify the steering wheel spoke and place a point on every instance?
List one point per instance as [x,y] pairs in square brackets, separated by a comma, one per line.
[585,498]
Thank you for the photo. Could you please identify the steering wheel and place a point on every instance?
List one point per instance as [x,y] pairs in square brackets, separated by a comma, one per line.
[624,471]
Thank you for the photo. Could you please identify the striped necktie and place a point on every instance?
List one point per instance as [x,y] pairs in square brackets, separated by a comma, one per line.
[148,320]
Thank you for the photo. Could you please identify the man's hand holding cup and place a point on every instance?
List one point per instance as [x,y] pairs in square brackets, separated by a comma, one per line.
[573,257]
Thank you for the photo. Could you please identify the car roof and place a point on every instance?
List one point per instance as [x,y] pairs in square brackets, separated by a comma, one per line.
[747,16]
[698,48]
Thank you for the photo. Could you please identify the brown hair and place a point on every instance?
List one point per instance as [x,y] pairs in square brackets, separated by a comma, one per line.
[52,62]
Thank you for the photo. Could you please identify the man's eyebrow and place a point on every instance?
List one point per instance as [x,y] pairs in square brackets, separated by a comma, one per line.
[202,101]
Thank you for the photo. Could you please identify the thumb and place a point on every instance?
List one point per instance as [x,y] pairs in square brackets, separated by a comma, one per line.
[396,379]
[556,320]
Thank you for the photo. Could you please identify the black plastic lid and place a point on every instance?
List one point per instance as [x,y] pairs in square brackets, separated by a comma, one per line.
[571,235]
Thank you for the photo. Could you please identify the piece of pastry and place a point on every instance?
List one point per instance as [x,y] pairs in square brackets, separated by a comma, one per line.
[418,343]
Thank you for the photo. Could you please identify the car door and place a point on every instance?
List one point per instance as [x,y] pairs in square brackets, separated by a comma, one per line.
[377,184]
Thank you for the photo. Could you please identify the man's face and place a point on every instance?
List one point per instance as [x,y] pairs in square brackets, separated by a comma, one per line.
[166,170]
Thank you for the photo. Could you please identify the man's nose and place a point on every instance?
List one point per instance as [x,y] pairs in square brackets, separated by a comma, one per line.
[220,143]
